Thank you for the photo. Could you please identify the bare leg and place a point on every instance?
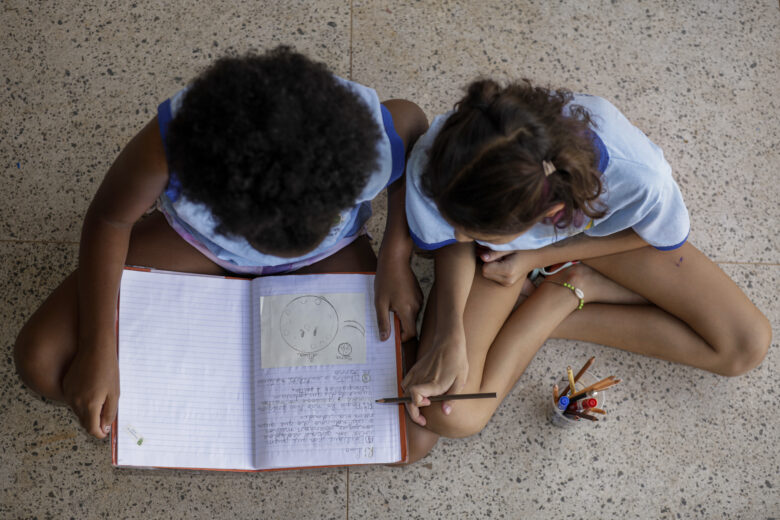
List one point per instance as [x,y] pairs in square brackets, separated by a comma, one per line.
[47,342]
[501,340]
[698,315]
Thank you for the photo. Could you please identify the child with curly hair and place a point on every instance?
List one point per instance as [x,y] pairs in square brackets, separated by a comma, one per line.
[265,164]
[520,177]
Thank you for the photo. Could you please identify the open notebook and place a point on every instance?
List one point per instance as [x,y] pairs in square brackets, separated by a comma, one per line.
[271,373]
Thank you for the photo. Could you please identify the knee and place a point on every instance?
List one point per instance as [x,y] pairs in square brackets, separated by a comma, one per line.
[35,365]
[420,442]
[749,348]
[465,420]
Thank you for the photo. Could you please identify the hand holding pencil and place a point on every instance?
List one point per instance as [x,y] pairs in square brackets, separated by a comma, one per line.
[438,398]
[440,371]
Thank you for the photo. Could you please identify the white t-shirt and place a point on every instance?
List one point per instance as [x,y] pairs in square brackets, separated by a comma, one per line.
[640,192]
[196,221]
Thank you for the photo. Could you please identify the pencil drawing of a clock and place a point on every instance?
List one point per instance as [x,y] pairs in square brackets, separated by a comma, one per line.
[309,323]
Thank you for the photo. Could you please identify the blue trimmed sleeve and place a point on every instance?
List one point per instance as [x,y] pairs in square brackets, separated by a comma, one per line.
[429,247]
[164,116]
[398,153]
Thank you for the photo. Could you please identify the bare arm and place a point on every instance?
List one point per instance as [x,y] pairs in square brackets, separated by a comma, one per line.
[134,181]
[507,267]
[454,268]
[583,246]
[444,367]
[396,286]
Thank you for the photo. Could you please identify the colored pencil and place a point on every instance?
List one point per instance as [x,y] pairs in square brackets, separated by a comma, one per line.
[570,375]
[598,410]
[437,398]
[607,385]
[580,414]
[584,368]
[555,393]
[595,387]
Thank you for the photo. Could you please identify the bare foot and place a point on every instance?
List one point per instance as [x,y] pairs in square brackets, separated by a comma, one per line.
[597,287]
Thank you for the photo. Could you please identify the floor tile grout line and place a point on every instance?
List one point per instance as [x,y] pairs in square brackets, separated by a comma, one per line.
[17,241]
[351,7]
[746,263]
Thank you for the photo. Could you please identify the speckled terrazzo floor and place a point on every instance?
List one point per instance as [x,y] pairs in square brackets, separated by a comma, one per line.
[700,78]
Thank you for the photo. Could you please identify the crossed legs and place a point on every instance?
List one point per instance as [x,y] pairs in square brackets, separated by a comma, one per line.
[645,301]
[48,341]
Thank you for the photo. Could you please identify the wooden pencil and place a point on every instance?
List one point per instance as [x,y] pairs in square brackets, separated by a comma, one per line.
[598,410]
[570,375]
[594,386]
[437,398]
[607,385]
[580,414]
[585,367]
[555,393]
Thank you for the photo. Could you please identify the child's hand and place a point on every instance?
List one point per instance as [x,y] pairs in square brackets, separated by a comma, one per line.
[507,267]
[443,369]
[91,387]
[396,289]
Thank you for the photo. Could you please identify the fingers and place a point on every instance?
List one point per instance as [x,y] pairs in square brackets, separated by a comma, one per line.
[499,272]
[108,414]
[407,315]
[383,318]
[492,256]
[90,419]
[457,386]
[408,324]
[415,415]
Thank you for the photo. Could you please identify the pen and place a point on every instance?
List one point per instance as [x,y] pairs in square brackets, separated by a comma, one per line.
[581,404]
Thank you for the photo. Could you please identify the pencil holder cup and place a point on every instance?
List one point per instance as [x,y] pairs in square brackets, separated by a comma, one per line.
[556,415]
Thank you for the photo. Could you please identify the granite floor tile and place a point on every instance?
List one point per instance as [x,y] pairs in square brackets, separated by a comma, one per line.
[50,468]
[676,441]
[81,78]
[699,78]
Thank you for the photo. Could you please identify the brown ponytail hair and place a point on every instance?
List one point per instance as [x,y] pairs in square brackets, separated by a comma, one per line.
[485,168]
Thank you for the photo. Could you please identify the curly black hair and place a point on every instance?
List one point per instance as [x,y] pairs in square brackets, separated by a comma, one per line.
[275,146]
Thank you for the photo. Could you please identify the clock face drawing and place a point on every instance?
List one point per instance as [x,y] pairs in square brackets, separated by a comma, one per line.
[309,323]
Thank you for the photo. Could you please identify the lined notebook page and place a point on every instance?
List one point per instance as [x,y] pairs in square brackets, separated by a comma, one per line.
[326,415]
[185,372]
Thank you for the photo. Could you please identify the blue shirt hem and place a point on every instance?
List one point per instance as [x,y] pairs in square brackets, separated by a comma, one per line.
[428,247]
[670,248]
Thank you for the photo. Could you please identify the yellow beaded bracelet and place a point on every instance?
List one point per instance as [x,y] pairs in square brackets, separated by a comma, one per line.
[577,292]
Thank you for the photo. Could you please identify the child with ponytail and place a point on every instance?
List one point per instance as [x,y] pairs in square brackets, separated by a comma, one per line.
[521,177]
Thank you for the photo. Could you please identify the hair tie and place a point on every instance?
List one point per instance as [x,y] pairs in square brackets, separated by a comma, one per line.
[548,167]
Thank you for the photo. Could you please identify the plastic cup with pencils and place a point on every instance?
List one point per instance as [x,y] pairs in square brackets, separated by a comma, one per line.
[579,399]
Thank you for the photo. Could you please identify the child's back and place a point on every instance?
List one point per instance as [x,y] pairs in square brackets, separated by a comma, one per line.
[264,164]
